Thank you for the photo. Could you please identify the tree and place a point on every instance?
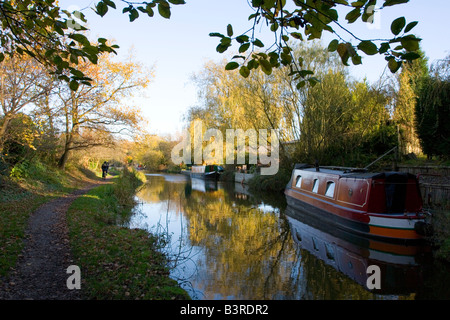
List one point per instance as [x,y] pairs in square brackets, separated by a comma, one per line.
[307,20]
[52,36]
[409,81]
[38,28]
[433,111]
[94,112]
[22,83]
[332,121]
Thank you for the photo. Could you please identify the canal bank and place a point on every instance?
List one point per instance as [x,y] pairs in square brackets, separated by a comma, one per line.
[117,262]
[226,242]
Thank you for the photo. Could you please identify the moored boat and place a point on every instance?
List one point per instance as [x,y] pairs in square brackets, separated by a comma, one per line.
[384,205]
[212,172]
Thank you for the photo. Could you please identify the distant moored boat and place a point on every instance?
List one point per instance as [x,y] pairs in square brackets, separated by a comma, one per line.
[205,172]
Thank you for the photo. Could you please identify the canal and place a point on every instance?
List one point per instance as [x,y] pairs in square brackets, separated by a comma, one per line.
[224,242]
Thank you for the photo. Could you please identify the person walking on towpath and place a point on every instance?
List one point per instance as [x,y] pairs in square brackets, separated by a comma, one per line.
[105,167]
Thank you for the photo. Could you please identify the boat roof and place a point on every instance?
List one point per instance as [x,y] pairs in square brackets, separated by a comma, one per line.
[351,172]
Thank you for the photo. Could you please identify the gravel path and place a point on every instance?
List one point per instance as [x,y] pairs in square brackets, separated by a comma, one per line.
[41,272]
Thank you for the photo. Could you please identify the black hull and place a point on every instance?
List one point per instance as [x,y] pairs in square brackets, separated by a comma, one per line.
[205,176]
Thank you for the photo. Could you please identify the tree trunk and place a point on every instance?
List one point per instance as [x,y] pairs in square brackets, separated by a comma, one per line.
[6,120]
[65,156]
[63,160]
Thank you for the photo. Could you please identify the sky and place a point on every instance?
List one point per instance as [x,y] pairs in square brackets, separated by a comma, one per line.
[179,47]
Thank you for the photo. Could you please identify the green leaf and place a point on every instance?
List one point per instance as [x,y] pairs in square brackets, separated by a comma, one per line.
[357,60]
[389,3]
[232,65]
[344,53]
[384,47]
[332,47]
[80,38]
[394,65]
[398,25]
[257,3]
[244,71]
[301,84]
[102,9]
[242,38]
[221,48]
[353,15]
[410,26]
[258,43]
[149,10]
[297,35]
[164,10]
[230,30]
[313,81]
[252,64]
[266,66]
[304,73]
[244,47]
[77,73]
[286,58]
[410,43]
[73,85]
[110,3]
[368,47]
[177,1]
[2,57]
[410,56]
[274,27]
[216,34]
[134,14]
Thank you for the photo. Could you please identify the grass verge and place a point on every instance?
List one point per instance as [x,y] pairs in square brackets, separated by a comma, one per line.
[117,262]
[27,187]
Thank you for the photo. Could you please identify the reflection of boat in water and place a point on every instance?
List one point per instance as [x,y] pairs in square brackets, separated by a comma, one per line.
[383,205]
[400,267]
[204,185]
[210,172]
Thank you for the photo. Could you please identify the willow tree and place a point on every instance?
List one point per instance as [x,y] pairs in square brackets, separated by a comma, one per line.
[332,120]
[229,101]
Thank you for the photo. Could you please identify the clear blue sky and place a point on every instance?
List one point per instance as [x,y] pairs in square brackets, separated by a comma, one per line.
[179,47]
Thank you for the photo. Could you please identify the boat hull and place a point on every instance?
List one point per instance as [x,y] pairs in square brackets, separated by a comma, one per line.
[202,175]
[396,228]
[207,175]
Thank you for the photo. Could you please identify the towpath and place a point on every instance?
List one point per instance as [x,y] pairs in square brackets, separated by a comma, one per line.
[41,271]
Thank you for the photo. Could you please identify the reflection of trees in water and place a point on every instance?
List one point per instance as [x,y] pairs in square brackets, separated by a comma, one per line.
[245,252]
[248,250]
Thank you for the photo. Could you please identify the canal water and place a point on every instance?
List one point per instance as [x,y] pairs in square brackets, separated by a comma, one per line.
[224,242]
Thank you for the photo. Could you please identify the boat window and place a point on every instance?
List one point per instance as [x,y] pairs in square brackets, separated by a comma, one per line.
[330,189]
[315,186]
[298,182]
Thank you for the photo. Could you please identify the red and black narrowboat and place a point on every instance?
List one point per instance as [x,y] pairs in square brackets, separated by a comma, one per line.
[384,205]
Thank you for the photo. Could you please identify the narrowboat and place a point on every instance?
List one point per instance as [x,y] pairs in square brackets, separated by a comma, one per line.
[212,172]
[384,205]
